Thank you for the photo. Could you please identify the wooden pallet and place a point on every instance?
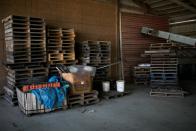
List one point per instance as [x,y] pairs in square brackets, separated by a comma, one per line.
[145,82]
[167,92]
[24,34]
[55,57]
[113,94]
[10,99]
[83,99]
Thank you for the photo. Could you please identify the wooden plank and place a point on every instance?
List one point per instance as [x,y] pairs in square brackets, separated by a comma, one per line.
[157,51]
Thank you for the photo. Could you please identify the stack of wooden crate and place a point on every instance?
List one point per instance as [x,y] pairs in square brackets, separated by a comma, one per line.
[25,49]
[60,47]
[141,75]
[97,54]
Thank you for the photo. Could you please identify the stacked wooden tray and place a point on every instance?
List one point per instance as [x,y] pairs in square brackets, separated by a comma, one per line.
[97,54]
[60,47]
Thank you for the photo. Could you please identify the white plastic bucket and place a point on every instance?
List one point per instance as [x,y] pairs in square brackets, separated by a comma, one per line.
[106,86]
[120,84]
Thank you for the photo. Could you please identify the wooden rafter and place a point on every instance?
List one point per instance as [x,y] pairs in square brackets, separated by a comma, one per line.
[145,6]
[186,6]
[182,18]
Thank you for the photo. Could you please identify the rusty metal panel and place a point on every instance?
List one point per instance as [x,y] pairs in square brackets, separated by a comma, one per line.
[133,42]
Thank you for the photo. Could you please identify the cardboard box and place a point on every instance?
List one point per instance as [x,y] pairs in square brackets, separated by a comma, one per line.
[80,82]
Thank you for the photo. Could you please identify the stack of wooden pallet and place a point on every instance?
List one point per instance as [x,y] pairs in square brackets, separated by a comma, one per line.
[17,39]
[164,62]
[97,54]
[141,75]
[81,99]
[25,49]
[163,69]
[60,47]
[164,66]
[37,39]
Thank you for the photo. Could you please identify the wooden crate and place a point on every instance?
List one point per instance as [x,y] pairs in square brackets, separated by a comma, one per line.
[30,105]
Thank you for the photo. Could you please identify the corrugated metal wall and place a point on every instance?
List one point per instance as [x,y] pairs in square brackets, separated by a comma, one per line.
[133,42]
[92,20]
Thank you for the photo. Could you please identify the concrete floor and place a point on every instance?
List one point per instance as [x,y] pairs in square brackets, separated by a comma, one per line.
[136,112]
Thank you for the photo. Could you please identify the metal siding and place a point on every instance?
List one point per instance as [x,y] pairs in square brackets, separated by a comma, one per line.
[133,42]
[92,20]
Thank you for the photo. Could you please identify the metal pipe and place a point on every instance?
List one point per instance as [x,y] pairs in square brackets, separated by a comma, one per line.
[121,72]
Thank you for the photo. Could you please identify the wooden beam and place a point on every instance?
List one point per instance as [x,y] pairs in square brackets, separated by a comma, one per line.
[156,51]
[145,6]
[182,18]
[179,14]
[131,9]
[151,1]
[186,6]
[172,11]
[168,7]
[160,4]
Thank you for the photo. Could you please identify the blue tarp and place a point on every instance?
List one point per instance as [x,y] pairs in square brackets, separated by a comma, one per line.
[52,97]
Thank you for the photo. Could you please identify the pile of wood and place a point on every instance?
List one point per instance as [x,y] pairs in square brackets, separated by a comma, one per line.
[60,47]
[141,75]
[96,54]
[25,49]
